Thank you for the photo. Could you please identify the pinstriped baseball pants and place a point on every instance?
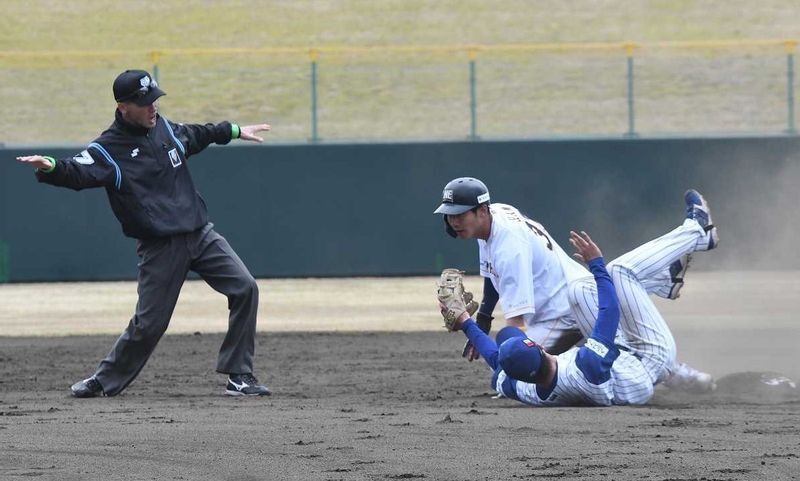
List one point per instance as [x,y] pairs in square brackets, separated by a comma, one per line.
[640,272]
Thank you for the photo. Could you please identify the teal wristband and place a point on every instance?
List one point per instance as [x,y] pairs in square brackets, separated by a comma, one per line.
[236,132]
[52,165]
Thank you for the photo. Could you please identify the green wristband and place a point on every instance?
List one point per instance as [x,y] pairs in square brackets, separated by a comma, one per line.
[236,132]
[52,165]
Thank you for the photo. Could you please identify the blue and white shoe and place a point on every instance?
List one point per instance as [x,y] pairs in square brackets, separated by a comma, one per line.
[697,209]
[677,271]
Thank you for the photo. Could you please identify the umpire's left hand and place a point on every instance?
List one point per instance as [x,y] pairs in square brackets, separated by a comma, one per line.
[248,132]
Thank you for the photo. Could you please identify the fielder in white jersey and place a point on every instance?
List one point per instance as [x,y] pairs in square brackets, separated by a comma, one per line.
[599,373]
[530,274]
[602,372]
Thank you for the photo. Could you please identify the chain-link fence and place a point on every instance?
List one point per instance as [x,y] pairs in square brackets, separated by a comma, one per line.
[403,93]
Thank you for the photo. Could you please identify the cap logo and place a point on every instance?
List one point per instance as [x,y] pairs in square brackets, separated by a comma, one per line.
[447,196]
[146,84]
[529,343]
[483,198]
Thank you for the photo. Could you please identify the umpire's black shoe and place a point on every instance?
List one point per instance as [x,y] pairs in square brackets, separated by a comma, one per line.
[87,388]
[245,385]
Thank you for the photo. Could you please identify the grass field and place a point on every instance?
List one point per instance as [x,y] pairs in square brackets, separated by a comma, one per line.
[58,98]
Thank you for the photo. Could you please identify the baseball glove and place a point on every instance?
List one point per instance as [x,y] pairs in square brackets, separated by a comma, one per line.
[472,305]
[453,299]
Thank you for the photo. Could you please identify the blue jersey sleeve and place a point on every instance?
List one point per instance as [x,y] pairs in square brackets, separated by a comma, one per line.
[482,342]
[605,329]
[595,360]
[597,356]
[507,388]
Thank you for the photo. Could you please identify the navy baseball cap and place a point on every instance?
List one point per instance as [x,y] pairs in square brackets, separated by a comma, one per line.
[507,333]
[461,195]
[520,358]
[136,86]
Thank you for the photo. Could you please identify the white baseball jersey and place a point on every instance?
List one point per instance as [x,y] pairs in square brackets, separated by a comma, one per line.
[629,383]
[528,269]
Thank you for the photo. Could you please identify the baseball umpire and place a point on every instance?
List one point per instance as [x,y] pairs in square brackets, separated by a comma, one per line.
[141,161]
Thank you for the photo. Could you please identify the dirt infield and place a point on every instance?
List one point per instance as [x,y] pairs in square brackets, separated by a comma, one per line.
[389,404]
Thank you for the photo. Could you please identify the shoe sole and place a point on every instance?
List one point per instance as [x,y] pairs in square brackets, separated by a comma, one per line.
[85,396]
[693,197]
[228,392]
[689,197]
[714,238]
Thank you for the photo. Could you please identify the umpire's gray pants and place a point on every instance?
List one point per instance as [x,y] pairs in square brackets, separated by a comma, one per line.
[164,264]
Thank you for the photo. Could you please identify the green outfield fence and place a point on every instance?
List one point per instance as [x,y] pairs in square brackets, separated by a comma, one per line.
[421,92]
[4,274]
[366,209]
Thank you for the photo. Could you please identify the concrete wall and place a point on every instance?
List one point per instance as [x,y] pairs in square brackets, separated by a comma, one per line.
[366,209]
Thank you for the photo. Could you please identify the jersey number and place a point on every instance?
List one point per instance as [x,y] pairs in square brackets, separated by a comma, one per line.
[539,230]
[532,225]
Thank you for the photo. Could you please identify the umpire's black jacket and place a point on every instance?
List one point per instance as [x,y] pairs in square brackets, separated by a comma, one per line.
[145,174]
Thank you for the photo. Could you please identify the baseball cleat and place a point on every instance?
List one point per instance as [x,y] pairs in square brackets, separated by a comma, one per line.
[697,209]
[245,385]
[686,378]
[87,388]
[677,271]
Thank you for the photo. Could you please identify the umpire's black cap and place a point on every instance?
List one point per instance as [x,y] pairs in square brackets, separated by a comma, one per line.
[136,86]
[461,195]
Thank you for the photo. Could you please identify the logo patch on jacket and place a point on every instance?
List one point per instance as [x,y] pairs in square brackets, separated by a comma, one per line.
[135,152]
[174,157]
[84,158]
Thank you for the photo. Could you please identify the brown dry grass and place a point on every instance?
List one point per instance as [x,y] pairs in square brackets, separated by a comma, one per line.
[58,98]
[710,301]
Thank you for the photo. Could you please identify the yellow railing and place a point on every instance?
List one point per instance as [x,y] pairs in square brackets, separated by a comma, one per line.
[474,50]
[318,57]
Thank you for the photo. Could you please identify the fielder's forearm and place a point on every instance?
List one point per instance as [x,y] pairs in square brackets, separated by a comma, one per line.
[490,298]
